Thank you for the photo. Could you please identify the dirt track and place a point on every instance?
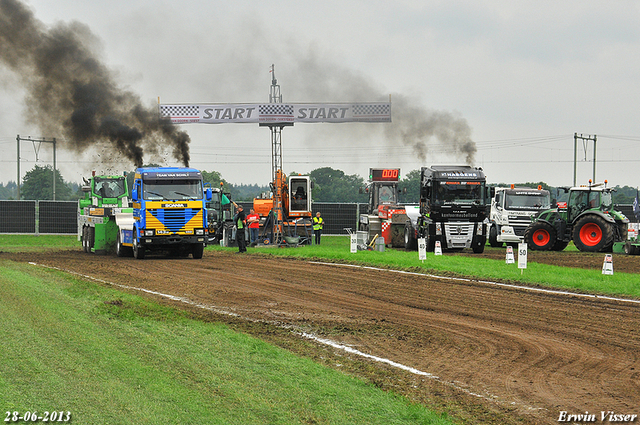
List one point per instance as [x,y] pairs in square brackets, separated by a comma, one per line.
[500,355]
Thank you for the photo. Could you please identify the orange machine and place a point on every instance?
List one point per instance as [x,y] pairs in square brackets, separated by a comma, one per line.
[291,200]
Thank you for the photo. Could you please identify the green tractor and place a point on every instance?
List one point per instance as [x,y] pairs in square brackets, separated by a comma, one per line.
[104,197]
[588,218]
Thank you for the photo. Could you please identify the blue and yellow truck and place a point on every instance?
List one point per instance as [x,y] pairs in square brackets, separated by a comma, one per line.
[169,213]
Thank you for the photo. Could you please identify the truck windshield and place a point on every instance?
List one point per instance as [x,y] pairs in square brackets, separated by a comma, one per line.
[174,190]
[456,192]
[110,187]
[527,201]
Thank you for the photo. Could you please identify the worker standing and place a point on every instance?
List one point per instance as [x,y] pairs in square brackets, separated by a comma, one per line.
[318,224]
[253,221]
[239,220]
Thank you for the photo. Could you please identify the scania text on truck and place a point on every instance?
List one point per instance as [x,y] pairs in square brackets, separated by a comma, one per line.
[511,212]
[169,213]
[453,208]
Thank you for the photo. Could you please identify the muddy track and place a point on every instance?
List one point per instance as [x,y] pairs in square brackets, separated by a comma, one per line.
[495,354]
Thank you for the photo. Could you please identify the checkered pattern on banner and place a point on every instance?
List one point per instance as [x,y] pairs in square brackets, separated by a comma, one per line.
[180,111]
[276,109]
[372,109]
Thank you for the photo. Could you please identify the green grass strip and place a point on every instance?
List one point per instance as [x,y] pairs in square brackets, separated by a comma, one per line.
[593,281]
[111,357]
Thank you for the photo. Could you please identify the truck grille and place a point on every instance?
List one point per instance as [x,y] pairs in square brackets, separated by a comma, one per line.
[458,235]
[458,229]
[520,225]
[173,219]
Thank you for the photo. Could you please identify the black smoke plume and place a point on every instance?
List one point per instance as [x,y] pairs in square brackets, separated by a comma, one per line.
[417,126]
[73,96]
[424,130]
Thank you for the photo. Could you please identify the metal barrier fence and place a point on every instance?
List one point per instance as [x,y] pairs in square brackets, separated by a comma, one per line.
[337,217]
[60,217]
[39,217]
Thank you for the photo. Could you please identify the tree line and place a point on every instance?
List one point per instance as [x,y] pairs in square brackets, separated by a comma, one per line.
[330,185]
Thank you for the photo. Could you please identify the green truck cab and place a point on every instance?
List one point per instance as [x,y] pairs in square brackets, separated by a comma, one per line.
[104,197]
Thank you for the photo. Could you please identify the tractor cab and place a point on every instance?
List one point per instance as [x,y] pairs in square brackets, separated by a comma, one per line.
[588,198]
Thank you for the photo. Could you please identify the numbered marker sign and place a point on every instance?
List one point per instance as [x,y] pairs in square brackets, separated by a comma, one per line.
[607,266]
[510,259]
[354,243]
[422,249]
[522,255]
[438,249]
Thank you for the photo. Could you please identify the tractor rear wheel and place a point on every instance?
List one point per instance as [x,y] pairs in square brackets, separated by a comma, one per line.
[540,236]
[593,234]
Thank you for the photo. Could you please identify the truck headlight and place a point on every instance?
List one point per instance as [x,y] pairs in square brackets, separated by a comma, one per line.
[148,232]
[480,229]
[199,231]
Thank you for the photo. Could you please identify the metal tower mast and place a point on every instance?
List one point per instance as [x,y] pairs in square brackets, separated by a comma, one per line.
[276,162]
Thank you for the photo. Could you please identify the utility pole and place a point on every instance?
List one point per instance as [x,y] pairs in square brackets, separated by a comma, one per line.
[43,140]
[575,154]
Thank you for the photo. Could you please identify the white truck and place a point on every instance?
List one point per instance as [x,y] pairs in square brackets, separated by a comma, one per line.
[511,211]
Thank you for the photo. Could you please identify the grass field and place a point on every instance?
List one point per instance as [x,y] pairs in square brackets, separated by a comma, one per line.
[109,357]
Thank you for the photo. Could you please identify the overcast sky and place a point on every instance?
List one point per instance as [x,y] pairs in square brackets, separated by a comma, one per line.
[523,76]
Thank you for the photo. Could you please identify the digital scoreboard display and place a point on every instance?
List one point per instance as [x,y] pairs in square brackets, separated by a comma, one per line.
[384,174]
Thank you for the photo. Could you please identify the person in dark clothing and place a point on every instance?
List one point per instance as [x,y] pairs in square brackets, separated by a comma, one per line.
[268,227]
[239,220]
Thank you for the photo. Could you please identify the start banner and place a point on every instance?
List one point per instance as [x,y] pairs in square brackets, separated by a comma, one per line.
[276,113]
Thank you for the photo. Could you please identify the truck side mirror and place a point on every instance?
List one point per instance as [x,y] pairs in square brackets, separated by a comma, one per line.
[134,194]
[209,194]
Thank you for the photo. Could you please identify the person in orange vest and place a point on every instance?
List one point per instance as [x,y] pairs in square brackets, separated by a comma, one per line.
[318,224]
[253,221]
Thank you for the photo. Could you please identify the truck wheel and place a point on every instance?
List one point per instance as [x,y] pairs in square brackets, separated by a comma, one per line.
[197,250]
[540,236]
[121,250]
[410,242]
[493,237]
[85,238]
[593,234]
[91,239]
[479,243]
[138,251]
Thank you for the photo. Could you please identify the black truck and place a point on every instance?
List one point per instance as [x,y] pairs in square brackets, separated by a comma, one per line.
[452,210]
